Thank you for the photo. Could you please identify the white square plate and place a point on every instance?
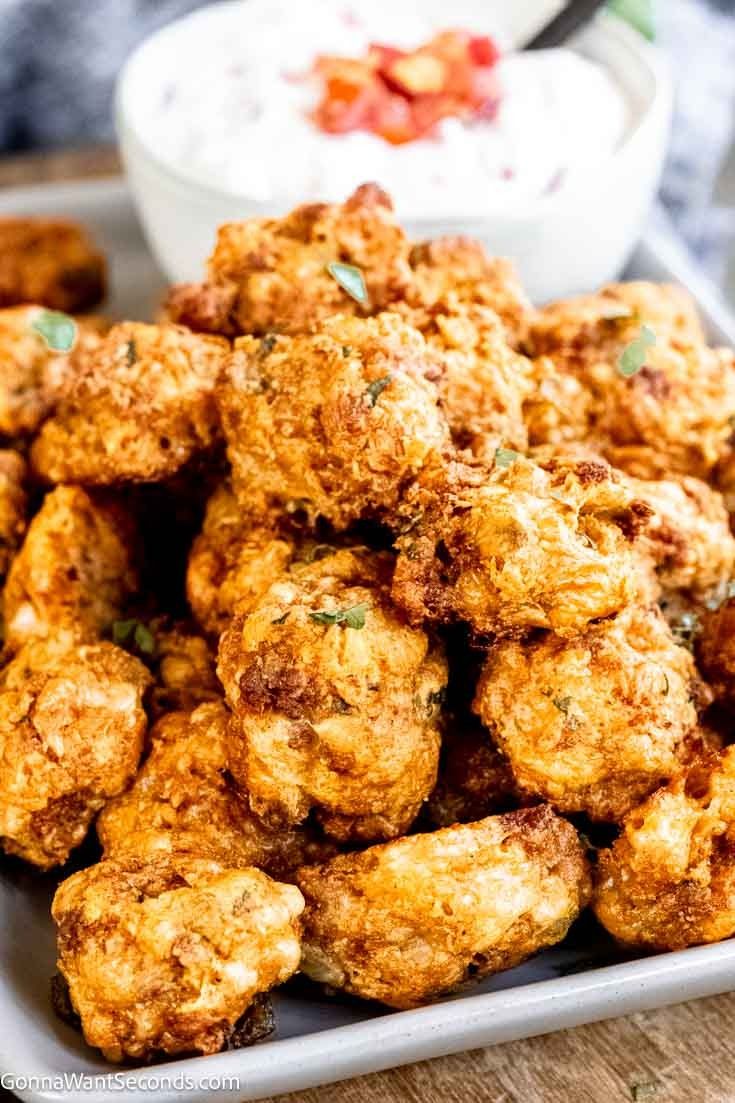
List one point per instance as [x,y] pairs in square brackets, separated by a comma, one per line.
[318,1040]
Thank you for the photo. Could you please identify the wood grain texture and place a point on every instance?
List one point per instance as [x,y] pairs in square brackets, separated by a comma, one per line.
[682,1054]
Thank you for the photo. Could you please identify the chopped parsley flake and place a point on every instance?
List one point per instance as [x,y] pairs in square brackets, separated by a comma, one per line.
[350,279]
[376,388]
[131,353]
[267,344]
[350,618]
[58,330]
[127,632]
[504,457]
[633,356]
[563,704]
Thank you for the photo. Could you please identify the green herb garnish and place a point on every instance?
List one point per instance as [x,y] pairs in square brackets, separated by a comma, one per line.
[504,457]
[563,704]
[350,279]
[376,388]
[639,13]
[346,351]
[58,330]
[351,618]
[282,619]
[125,632]
[131,353]
[267,344]
[633,356]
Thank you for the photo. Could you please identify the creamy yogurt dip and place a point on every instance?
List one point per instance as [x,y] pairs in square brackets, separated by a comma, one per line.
[229,106]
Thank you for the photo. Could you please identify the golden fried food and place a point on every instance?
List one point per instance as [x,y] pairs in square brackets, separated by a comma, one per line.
[335,701]
[270,275]
[674,414]
[165,956]
[412,919]
[75,569]
[234,559]
[137,410]
[13,505]
[184,669]
[715,649]
[594,723]
[668,881]
[475,779]
[71,733]
[32,375]
[688,535]
[338,421]
[183,801]
[50,261]
[482,383]
[518,547]
[461,267]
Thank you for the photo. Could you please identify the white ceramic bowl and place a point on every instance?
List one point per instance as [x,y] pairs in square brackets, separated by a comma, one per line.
[563,243]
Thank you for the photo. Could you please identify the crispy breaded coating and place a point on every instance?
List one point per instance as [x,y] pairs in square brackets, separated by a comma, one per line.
[234,559]
[50,261]
[475,779]
[270,275]
[165,956]
[715,648]
[595,723]
[75,569]
[408,921]
[184,668]
[184,801]
[482,383]
[32,376]
[668,881]
[13,505]
[71,733]
[137,410]
[518,547]
[335,701]
[338,421]
[688,535]
[674,414]
[460,266]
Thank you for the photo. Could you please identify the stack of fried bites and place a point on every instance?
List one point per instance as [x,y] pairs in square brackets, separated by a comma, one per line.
[339,602]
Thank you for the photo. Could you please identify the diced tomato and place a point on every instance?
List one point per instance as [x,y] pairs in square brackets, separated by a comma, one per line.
[402,96]
[483,51]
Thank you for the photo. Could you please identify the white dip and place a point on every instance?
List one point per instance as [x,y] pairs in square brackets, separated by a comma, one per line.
[227,104]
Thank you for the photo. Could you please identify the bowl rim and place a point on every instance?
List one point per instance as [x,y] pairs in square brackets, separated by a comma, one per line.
[605,25]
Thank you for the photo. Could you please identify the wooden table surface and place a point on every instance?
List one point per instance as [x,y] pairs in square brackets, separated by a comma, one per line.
[682,1054]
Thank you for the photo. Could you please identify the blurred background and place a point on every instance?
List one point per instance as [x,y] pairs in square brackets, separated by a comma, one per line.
[59,59]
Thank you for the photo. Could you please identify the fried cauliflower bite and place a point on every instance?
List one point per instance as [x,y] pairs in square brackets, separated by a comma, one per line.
[32,375]
[183,801]
[74,571]
[595,723]
[668,881]
[335,701]
[137,410]
[184,668]
[482,383]
[460,266]
[413,919]
[674,414]
[13,505]
[270,275]
[715,648]
[49,261]
[475,779]
[338,421]
[518,547]
[71,733]
[688,535]
[166,955]
[234,559]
